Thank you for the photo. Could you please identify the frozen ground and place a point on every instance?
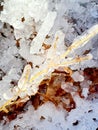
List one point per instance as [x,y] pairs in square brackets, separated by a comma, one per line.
[27,28]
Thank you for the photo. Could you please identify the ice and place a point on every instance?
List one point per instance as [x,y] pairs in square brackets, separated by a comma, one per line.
[57,23]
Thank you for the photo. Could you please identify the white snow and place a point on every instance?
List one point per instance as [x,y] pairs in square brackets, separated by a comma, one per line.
[65,22]
[58,118]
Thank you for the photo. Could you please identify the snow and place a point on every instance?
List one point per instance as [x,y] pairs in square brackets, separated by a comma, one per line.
[71,26]
[57,118]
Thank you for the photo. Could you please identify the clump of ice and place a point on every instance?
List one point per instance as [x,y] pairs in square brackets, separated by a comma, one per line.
[36,45]
[85,92]
[85,83]
[77,76]
[68,87]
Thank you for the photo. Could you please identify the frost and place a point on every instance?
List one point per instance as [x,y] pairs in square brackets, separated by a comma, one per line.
[52,41]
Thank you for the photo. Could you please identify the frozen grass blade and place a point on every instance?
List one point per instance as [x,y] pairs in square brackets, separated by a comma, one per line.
[82,40]
[52,64]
